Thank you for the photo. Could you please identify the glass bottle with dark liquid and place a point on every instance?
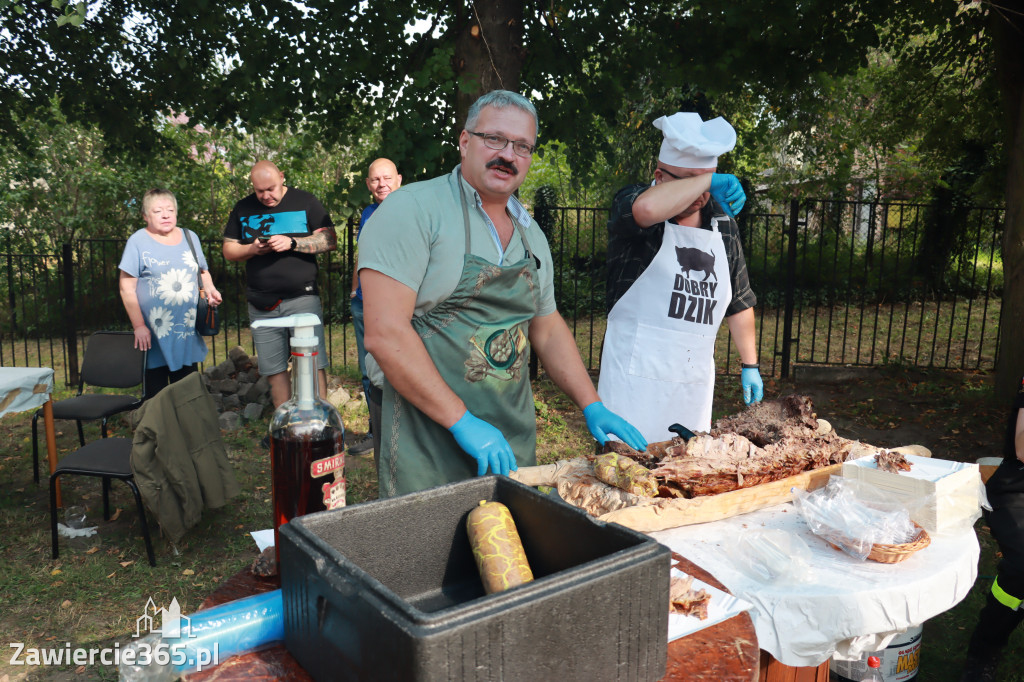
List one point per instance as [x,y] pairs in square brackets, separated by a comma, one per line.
[306,435]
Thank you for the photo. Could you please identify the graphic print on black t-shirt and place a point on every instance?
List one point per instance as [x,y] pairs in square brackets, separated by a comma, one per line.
[694,300]
[261,226]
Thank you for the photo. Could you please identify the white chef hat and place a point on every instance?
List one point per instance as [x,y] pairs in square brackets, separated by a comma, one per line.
[692,143]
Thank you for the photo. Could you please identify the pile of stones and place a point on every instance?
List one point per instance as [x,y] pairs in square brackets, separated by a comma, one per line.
[242,395]
[238,390]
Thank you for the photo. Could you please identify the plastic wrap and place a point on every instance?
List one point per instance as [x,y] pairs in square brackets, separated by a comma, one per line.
[851,522]
[137,664]
[770,556]
[959,508]
[972,497]
[74,525]
[206,638]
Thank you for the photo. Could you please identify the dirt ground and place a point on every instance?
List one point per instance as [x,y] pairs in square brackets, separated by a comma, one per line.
[953,414]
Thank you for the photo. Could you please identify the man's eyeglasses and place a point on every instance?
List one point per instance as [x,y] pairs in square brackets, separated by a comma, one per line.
[670,173]
[496,142]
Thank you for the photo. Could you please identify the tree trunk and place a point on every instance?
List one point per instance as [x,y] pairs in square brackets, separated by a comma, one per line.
[1008,26]
[488,52]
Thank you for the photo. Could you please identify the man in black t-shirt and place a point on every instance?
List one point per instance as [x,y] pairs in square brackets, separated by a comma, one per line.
[278,230]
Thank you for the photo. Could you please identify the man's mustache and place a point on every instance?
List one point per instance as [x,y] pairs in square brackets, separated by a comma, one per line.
[500,163]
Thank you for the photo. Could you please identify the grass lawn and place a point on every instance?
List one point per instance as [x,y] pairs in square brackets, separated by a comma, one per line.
[94,593]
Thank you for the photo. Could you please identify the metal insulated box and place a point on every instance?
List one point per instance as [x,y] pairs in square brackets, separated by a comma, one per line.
[389,590]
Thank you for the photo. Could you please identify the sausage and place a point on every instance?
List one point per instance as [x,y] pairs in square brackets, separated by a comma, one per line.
[622,472]
[498,551]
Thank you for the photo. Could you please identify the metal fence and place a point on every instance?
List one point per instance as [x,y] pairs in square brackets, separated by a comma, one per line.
[838,283]
[50,314]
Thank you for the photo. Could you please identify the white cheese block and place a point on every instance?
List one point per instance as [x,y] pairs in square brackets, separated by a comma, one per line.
[941,494]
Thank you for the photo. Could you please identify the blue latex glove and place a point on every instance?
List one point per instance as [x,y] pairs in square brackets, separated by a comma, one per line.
[485,444]
[728,192]
[753,387]
[601,421]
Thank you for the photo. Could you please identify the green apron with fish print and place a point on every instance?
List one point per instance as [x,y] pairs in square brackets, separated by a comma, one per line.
[478,340]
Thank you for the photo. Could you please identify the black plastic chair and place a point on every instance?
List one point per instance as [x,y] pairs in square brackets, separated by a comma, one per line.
[107,458]
[111,361]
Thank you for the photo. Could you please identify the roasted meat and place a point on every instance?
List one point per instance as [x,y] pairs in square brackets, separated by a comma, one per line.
[893,462]
[766,442]
[685,600]
[770,421]
[655,451]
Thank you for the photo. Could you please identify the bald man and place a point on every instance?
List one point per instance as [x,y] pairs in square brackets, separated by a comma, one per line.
[278,230]
[381,180]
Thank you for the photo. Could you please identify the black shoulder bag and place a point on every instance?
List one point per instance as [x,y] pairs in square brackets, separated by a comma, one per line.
[207,319]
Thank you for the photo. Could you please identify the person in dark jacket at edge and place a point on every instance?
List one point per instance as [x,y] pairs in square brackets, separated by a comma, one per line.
[1002,612]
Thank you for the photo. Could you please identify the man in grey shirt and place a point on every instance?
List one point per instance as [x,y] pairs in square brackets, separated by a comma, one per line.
[457,288]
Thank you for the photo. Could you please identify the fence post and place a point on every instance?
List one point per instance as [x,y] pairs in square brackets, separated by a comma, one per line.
[10,289]
[787,325]
[543,201]
[70,342]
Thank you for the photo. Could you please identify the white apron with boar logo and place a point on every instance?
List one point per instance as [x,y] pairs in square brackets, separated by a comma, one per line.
[658,365]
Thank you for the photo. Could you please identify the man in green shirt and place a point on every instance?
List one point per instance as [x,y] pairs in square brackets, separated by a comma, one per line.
[457,289]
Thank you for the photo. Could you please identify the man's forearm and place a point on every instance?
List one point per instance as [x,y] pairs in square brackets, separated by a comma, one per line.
[742,329]
[321,241]
[668,199]
[554,344]
[237,251]
[390,338]
[411,372]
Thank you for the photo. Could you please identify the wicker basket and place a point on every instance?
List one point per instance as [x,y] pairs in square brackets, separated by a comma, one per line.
[893,554]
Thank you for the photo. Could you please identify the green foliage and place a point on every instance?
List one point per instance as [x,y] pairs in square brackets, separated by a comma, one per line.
[68,183]
[63,185]
[948,233]
[551,169]
[820,91]
[873,96]
[74,14]
[315,64]
[893,126]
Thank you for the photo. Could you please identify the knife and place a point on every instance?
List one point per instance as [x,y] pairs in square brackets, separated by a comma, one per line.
[682,431]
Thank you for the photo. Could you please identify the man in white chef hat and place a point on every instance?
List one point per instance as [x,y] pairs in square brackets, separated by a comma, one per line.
[675,271]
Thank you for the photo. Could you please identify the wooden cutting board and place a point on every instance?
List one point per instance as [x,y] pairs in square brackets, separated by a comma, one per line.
[577,485]
[684,512]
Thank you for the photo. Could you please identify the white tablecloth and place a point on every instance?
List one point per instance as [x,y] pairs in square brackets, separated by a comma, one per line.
[24,388]
[849,605]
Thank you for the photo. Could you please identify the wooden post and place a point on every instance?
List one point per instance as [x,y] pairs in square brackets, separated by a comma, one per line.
[51,443]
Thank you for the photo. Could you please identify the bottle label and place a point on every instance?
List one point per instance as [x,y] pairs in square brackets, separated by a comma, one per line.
[899,660]
[327,465]
[334,494]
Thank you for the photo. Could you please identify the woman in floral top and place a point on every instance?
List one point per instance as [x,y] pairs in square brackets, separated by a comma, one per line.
[159,290]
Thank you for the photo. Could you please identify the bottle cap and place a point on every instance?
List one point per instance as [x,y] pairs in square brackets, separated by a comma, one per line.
[873,662]
[303,324]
